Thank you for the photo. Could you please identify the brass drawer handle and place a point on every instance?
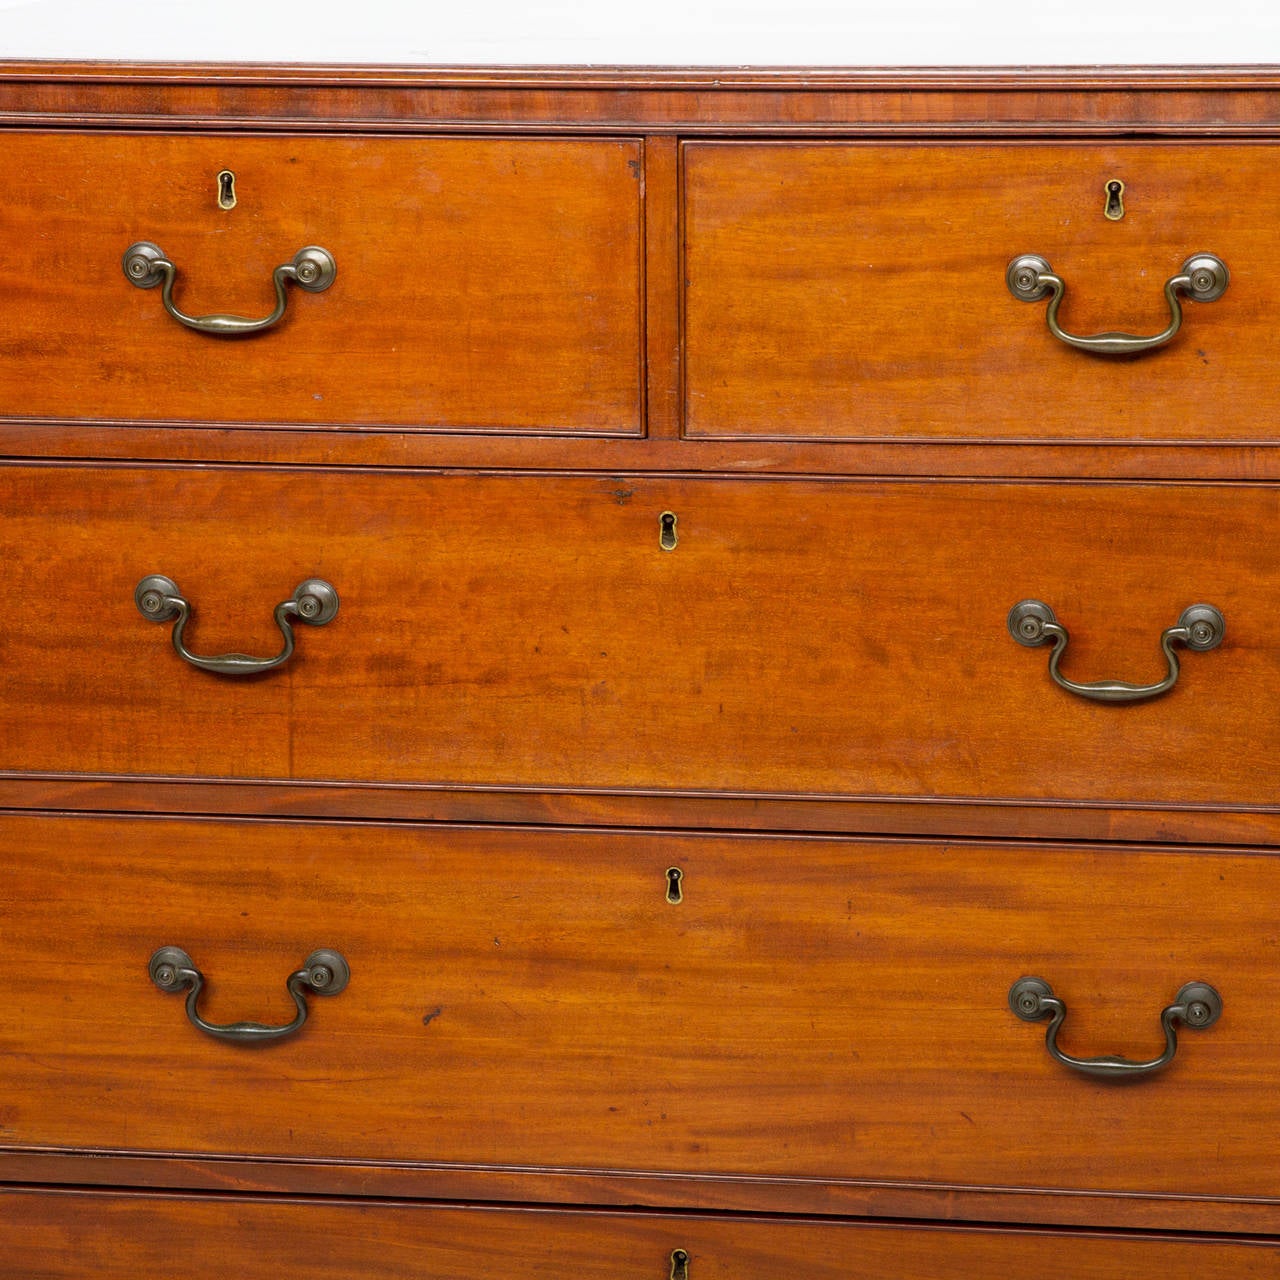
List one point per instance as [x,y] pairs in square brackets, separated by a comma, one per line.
[1197,1005]
[314,602]
[1203,278]
[1032,623]
[312,269]
[323,973]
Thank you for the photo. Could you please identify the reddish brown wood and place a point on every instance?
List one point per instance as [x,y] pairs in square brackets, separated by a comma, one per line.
[662,283]
[1198,101]
[141,1237]
[820,1027]
[530,632]
[385,448]
[827,1009]
[758,1193]
[483,284]
[859,292]
[566,806]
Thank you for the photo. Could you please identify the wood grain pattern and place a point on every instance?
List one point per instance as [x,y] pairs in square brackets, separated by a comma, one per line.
[1201,101]
[500,631]
[991,818]
[63,1236]
[820,1008]
[336,446]
[662,285]
[630,1189]
[569,300]
[483,284]
[859,292]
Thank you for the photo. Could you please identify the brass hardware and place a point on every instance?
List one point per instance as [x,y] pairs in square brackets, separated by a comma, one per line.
[314,602]
[1200,628]
[1113,208]
[226,189]
[667,535]
[323,973]
[1203,278]
[675,894]
[1197,1005]
[679,1264]
[312,269]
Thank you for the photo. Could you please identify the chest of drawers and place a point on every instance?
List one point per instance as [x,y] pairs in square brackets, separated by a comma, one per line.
[653,674]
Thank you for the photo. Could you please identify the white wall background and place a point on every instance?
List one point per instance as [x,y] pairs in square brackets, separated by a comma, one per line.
[703,32]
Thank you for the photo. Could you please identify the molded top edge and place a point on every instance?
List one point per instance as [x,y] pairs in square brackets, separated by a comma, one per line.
[660,77]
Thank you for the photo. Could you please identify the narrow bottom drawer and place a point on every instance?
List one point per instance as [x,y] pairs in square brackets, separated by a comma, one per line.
[52,1235]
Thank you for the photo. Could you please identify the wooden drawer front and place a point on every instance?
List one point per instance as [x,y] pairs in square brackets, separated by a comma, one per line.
[68,1235]
[482,284]
[840,291]
[825,1008]
[836,638]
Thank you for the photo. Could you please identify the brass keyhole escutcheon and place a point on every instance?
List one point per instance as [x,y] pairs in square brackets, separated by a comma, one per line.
[1113,209]
[679,1264]
[667,535]
[226,189]
[675,894]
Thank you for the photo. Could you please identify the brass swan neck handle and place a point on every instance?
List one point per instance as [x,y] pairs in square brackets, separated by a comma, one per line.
[1197,1005]
[312,269]
[323,973]
[314,602]
[1203,278]
[1199,628]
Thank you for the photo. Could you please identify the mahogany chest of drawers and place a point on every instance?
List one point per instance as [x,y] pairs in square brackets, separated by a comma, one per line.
[657,674]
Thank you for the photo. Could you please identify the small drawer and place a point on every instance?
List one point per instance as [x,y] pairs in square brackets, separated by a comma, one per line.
[822,1008]
[839,291]
[482,284]
[800,638]
[69,1235]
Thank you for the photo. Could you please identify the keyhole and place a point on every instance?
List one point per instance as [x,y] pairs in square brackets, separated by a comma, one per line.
[679,1264]
[667,537]
[226,189]
[1114,207]
[674,893]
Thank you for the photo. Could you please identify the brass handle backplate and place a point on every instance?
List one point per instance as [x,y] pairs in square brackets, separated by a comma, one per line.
[314,602]
[1203,278]
[1197,1005]
[323,973]
[146,266]
[1032,623]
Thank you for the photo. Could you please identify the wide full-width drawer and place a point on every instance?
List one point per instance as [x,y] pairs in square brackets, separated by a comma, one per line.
[859,291]
[482,284]
[829,1008]
[802,637]
[68,1235]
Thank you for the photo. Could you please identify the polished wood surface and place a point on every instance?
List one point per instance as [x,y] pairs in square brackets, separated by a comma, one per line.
[529,631]
[858,292]
[979,102]
[482,284]
[66,1235]
[609,455]
[633,1188]
[567,806]
[576,368]
[772,302]
[821,1008]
